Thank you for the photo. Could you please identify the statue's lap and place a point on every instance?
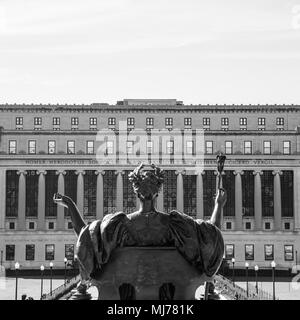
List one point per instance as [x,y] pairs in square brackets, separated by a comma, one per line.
[147,269]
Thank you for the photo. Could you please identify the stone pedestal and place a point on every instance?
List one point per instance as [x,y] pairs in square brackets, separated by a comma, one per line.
[149,270]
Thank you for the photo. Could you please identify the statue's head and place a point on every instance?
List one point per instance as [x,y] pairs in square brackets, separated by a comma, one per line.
[147,183]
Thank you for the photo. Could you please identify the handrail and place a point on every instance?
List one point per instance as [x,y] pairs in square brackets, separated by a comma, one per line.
[62,289]
[235,292]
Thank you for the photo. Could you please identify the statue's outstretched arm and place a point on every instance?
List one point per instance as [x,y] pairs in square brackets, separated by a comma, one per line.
[220,201]
[76,218]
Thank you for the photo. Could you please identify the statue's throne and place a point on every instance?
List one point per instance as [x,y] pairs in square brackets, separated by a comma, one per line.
[147,273]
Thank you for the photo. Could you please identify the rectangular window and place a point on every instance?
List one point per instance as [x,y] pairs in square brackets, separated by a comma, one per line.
[93,121]
[74,121]
[10,252]
[208,147]
[71,147]
[288,252]
[149,147]
[90,147]
[224,121]
[248,225]
[206,121]
[286,147]
[129,147]
[170,147]
[69,251]
[228,225]
[111,121]
[279,121]
[249,252]
[11,225]
[109,147]
[149,121]
[37,121]
[12,149]
[243,121]
[188,122]
[32,147]
[51,146]
[228,147]
[269,252]
[267,225]
[51,225]
[267,147]
[29,252]
[19,121]
[130,121]
[49,252]
[261,121]
[56,121]
[229,251]
[190,147]
[169,121]
[247,147]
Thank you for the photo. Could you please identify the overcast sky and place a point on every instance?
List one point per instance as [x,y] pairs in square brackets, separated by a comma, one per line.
[72,51]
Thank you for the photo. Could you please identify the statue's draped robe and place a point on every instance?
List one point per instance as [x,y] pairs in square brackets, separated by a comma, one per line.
[200,242]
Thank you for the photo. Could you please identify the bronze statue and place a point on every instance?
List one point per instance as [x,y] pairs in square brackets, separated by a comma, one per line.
[199,242]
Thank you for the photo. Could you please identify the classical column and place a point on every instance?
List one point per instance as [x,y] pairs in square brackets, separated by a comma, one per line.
[238,200]
[41,200]
[297,199]
[277,199]
[60,209]
[180,198]
[119,190]
[80,191]
[199,195]
[99,195]
[2,198]
[257,200]
[22,200]
[160,199]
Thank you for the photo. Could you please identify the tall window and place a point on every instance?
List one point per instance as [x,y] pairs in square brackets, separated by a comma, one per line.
[111,121]
[56,121]
[190,147]
[208,147]
[109,191]
[286,147]
[51,146]
[267,187]
[279,121]
[149,121]
[269,252]
[93,121]
[170,190]
[188,122]
[248,193]
[12,193]
[69,252]
[190,195]
[129,147]
[228,147]
[206,121]
[19,121]
[243,121]
[71,147]
[149,146]
[289,252]
[49,252]
[170,147]
[32,187]
[70,187]
[287,193]
[129,197]
[51,181]
[229,186]
[169,121]
[247,147]
[32,147]
[249,251]
[29,252]
[90,193]
[74,121]
[12,149]
[37,121]
[209,191]
[90,147]
[10,252]
[261,121]
[109,147]
[267,147]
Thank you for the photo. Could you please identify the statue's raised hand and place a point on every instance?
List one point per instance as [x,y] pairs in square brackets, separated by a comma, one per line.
[221,197]
[62,200]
